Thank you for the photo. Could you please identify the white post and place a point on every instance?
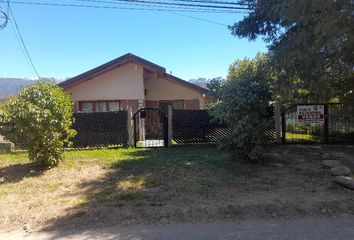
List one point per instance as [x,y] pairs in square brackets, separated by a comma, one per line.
[130,127]
[277,118]
[169,125]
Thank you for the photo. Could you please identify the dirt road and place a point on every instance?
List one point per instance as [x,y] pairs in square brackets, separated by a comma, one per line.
[304,229]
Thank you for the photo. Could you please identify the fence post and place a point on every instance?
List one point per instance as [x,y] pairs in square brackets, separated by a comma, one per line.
[283,127]
[325,123]
[169,125]
[130,127]
[277,121]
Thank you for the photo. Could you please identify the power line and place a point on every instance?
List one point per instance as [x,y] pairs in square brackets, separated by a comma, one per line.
[137,3]
[182,4]
[22,43]
[200,19]
[216,2]
[176,10]
[4,16]
[176,13]
[22,50]
[124,8]
[114,7]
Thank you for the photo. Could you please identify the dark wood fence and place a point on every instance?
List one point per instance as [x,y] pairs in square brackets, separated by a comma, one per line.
[101,129]
[196,126]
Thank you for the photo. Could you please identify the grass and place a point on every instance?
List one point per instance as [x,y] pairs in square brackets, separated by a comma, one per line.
[101,177]
[96,188]
[74,158]
[301,136]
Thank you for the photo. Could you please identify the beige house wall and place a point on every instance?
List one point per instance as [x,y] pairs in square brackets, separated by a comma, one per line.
[125,82]
[163,89]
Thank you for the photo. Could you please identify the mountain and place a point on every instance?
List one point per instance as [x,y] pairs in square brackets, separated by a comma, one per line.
[203,82]
[12,86]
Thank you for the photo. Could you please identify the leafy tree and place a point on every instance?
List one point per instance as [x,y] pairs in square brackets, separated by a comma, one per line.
[244,100]
[43,116]
[311,44]
[215,86]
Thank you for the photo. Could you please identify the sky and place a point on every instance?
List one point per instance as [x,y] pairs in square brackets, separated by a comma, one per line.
[64,42]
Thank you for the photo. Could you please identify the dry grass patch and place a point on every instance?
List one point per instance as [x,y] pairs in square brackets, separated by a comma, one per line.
[136,184]
[43,196]
[97,188]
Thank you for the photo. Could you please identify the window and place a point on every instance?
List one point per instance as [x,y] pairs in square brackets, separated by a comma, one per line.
[179,104]
[101,107]
[86,106]
[113,106]
[176,104]
[163,105]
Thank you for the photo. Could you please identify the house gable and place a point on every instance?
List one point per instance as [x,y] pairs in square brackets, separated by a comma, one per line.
[123,82]
[125,59]
[128,59]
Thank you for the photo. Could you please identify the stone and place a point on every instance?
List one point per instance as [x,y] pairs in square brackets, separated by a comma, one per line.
[340,171]
[324,211]
[27,228]
[325,155]
[330,163]
[347,182]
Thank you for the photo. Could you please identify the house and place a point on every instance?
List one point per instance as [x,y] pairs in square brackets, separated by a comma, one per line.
[132,81]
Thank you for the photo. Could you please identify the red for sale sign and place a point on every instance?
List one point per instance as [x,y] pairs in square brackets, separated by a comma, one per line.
[310,113]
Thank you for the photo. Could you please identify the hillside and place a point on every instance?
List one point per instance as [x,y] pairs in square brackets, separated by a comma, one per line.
[12,86]
[203,82]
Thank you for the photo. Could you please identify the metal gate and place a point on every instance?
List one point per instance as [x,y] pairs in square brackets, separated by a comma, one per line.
[335,125]
[150,128]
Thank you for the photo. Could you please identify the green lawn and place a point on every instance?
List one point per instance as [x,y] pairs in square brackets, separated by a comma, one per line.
[301,137]
[203,156]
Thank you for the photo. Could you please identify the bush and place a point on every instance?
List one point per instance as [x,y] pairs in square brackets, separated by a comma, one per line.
[243,106]
[43,115]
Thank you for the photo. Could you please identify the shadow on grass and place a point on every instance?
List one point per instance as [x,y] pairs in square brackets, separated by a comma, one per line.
[15,173]
[152,185]
[135,189]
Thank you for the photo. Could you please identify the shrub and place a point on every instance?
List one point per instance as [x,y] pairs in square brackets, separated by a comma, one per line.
[243,106]
[43,115]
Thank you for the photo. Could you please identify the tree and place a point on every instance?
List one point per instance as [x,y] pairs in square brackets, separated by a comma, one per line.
[215,86]
[43,115]
[243,104]
[311,44]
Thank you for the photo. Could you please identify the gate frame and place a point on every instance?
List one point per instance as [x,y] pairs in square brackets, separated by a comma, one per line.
[325,123]
[164,124]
